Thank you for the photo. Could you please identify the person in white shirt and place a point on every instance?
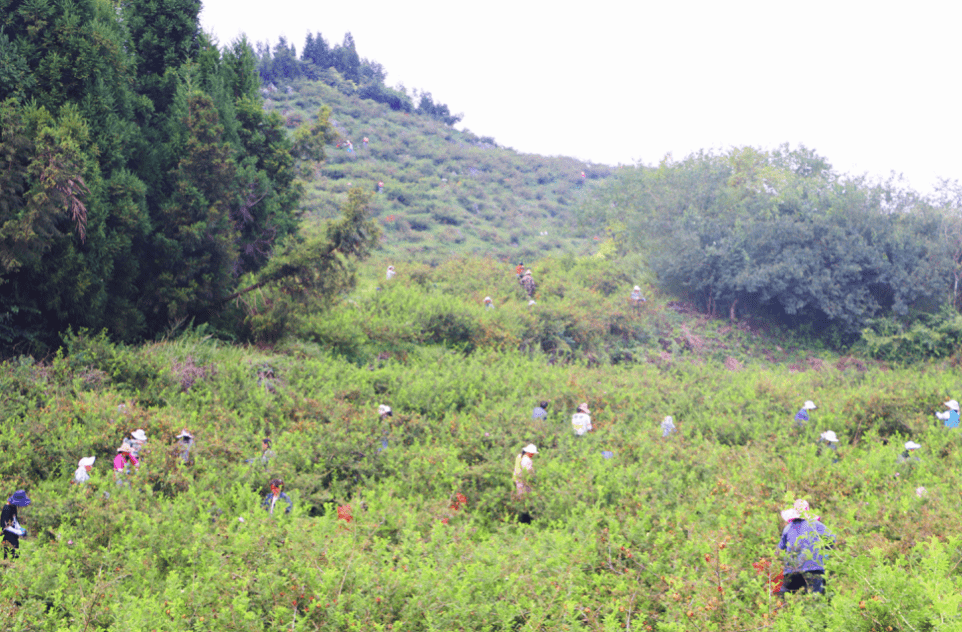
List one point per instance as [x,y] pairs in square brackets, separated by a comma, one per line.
[82,475]
[581,420]
[524,469]
[390,272]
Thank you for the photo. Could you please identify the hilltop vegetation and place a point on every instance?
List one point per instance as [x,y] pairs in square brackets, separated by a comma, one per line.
[445,191]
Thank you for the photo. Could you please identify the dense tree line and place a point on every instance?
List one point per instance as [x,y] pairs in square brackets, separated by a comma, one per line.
[280,62]
[782,234]
[140,178]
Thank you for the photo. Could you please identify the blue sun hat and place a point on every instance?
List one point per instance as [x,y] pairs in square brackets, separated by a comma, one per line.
[19,499]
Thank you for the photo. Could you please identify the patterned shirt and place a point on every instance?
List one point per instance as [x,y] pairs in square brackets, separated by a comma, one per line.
[581,423]
[803,541]
[539,413]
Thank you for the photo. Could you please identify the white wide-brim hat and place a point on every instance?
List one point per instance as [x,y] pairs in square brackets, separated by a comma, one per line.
[911,445]
[530,448]
[790,514]
[809,405]
[636,288]
[487,299]
[668,421]
[954,405]
[184,433]
[383,409]
[125,448]
[87,460]
[139,435]
[829,435]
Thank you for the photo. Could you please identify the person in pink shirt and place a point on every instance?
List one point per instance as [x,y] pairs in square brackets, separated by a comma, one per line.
[125,457]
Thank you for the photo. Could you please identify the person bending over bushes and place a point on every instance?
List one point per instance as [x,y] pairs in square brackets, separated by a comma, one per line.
[804,539]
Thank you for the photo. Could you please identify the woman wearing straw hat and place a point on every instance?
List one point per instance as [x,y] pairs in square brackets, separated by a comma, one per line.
[801,417]
[581,420]
[524,469]
[951,416]
[185,441]
[125,457]
[82,475]
[830,439]
[636,296]
[908,456]
[804,539]
[12,531]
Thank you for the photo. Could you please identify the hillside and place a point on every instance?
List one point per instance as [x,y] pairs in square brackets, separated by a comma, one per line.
[445,191]
[412,522]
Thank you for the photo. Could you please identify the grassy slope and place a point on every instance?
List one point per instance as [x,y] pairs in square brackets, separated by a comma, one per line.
[651,534]
[445,191]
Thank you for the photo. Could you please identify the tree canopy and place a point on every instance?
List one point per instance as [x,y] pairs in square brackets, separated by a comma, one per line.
[780,233]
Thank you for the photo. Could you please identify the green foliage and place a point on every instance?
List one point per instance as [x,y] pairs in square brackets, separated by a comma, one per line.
[779,233]
[662,534]
[930,336]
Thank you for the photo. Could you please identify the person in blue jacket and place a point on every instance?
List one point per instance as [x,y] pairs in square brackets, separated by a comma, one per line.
[802,415]
[951,416]
[804,540]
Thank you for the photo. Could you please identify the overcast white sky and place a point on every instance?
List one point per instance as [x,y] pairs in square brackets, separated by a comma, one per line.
[873,86]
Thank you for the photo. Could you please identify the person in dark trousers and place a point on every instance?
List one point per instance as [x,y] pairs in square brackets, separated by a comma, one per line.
[804,540]
[276,494]
[12,531]
[185,441]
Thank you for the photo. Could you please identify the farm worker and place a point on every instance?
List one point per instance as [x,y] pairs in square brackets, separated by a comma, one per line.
[384,412]
[365,141]
[802,415]
[951,416]
[519,269]
[125,456]
[527,282]
[82,475]
[540,411]
[524,469]
[380,186]
[667,426]
[583,176]
[390,272]
[12,531]
[276,494]
[488,304]
[185,441]
[831,440]
[266,453]
[907,456]
[804,539]
[581,420]
[636,296]
[136,441]
[350,147]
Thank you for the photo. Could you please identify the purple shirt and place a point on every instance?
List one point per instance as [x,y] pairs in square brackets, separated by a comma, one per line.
[801,415]
[804,540]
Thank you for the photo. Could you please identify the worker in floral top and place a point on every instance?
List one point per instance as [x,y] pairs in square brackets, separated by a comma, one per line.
[276,494]
[804,540]
[524,469]
[581,420]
